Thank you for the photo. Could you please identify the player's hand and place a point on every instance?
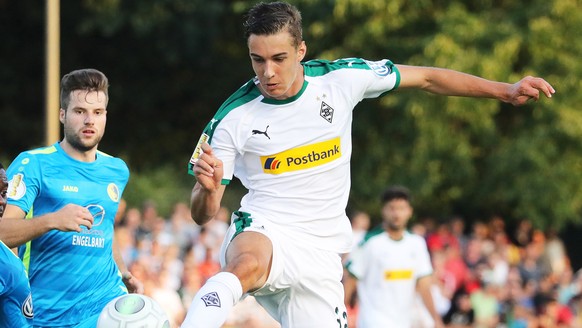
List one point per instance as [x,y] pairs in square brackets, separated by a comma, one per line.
[529,88]
[71,217]
[133,284]
[208,169]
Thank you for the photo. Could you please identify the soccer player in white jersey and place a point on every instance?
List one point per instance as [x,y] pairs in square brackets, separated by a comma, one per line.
[286,135]
[62,202]
[389,267]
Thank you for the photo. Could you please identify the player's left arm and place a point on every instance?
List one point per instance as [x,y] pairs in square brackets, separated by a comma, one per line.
[423,286]
[453,83]
[133,284]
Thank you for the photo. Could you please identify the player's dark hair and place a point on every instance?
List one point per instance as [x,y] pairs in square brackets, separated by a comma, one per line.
[87,79]
[396,192]
[271,18]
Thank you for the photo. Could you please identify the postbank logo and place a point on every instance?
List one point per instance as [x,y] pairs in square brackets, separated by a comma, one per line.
[302,158]
[397,275]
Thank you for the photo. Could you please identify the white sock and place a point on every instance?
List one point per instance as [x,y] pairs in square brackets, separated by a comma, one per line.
[213,302]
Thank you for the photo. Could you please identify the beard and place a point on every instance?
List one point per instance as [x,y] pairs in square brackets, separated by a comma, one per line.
[392,226]
[81,145]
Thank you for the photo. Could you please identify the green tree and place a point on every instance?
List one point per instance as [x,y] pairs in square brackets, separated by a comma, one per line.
[466,156]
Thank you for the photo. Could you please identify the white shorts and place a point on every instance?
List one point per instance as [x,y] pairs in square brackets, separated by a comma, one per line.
[304,288]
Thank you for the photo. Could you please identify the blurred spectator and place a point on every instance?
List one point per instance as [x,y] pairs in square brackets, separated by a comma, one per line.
[182,227]
[158,288]
[474,257]
[149,215]
[441,238]
[191,281]
[523,233]
[508,251]
[448,279]
[529,267]
[554,253]
[485,304]
[461,313]
[360,225]
[569,285]
[456,267]
[132,221]
[457,226]
[481,233]
[419,229]
[249,314]
[550,313]
[126,244]
[497,269]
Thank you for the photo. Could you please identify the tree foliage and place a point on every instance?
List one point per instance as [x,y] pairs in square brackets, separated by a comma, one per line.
[172,62]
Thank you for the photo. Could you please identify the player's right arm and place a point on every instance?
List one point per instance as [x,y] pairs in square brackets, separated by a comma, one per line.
[208,190]
[15,230]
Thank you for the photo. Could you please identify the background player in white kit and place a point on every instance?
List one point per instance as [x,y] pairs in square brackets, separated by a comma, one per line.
[286,134]
[389,267]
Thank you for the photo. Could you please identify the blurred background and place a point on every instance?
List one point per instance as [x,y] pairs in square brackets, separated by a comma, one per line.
[171,63]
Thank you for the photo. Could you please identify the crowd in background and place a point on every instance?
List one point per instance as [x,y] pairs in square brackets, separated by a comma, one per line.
[485,275]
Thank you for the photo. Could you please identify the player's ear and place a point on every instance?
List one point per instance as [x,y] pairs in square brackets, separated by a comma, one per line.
[301,51]
[62,116]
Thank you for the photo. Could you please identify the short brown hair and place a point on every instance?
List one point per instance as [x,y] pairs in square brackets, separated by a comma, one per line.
[271,18]
[87,79]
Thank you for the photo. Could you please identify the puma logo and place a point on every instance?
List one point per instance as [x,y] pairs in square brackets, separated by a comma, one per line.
[262,132]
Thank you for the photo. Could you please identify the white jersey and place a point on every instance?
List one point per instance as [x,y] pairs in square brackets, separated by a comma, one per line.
[293,155]
[387,271]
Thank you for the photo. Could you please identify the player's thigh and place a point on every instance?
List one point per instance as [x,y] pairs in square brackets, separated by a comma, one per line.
[249,257]
[315,299]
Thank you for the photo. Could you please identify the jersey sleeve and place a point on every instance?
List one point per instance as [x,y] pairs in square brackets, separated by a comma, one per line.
[357,262]
[385,78]
[424,261]
[24,176]
[223,145]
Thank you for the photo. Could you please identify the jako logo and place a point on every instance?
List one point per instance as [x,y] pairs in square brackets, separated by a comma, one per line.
[70,188]
[302,157]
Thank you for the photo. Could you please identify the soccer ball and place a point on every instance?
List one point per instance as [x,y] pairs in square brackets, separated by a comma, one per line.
[133,311]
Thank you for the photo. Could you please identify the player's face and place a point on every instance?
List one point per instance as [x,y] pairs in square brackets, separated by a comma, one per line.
[277,64]
[84,120]
[396,214]
[3,191]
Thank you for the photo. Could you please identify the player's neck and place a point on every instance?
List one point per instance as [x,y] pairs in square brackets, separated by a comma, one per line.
[395,234]
[79,154]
